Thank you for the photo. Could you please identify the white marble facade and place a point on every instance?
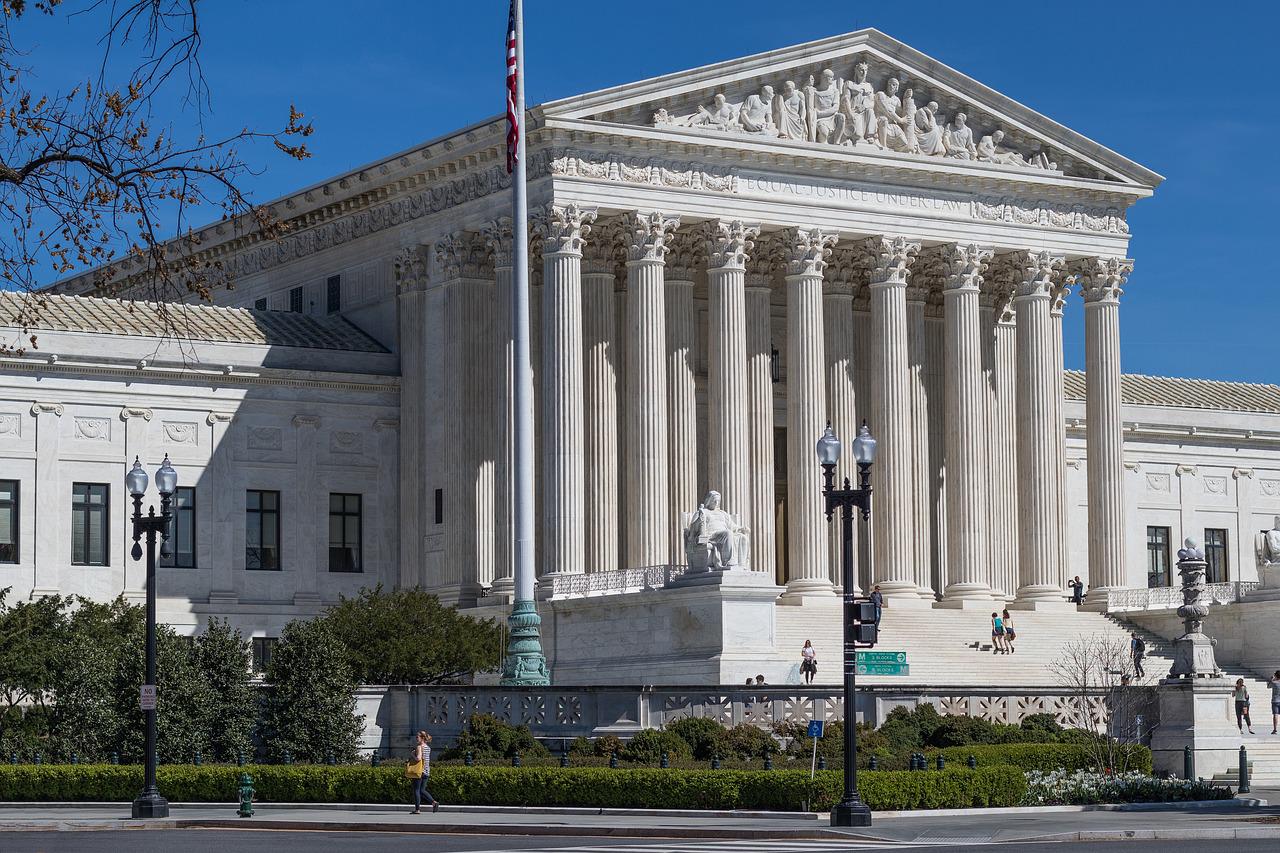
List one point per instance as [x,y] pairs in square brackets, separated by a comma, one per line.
[722,261]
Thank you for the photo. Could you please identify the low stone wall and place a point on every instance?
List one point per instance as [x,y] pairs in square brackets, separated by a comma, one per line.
[393,714]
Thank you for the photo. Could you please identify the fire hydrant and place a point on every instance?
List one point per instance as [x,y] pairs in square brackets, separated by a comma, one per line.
[246,795]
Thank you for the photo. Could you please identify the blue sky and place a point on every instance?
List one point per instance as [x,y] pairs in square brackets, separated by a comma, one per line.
[1192,95]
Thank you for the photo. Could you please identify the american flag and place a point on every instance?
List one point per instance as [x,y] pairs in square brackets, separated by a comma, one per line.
[513,77]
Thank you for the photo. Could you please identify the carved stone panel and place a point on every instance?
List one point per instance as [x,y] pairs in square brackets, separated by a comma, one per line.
[1159,483]
[1269,488]
[1215,485]
[346,441]
[93,429]
[181,432]
[10,425]
[264,438]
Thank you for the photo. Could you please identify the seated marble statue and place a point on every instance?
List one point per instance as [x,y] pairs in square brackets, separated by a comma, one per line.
[1269,545]
[989,151]
[713,539]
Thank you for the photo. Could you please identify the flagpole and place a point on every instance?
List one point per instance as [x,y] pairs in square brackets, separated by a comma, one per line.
[525,663]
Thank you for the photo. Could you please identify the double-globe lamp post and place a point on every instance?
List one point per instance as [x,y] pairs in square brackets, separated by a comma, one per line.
[150,803]
[851,810]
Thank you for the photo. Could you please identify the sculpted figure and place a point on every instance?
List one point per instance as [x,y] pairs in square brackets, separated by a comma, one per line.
[893,127]
[1269,545]
[859,107]
[792,119]
[929,130]
[989,151]
[720,115]
[756,115]
[959,139]
[826,123]
[714,539]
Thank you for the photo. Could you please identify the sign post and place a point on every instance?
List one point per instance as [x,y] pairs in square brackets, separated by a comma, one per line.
[815,732]
[147,697]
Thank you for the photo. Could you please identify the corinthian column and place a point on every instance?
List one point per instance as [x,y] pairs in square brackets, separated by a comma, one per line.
[1038,493]
[648,505]
[1057,304]
[805,252]
[727,247]
[1000,365]
[967,545]
[682,391]
[563,229]
[893,553]
[497,235]
[1101,282]
[837,313]
[917,341]
[600,396]
[759,281]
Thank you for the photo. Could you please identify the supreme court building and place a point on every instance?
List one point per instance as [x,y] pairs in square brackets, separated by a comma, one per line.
[722,261]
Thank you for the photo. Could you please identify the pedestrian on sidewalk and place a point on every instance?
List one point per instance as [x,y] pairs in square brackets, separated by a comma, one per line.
[808,662]
[418,771]
[1009,634]
[997,634]
[1138,650]
[1077,590]
[877,598]
[1241,695]
[1275,700]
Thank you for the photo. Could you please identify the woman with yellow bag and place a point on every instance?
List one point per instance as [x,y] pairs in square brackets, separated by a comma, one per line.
[418,771]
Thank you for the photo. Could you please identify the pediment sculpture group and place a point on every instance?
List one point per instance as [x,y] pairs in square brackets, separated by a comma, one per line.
[850,112]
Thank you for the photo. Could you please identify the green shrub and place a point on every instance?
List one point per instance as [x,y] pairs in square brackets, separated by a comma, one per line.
[1043,757]
[648,745]
[488,737]
[1045,728]
[907,729]
[747,741]
[581,746]
[704,736]
[607,745]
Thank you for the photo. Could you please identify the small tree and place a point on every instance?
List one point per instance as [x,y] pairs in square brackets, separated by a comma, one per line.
[310,708]
[1103,697]
[185,703]
[223,656]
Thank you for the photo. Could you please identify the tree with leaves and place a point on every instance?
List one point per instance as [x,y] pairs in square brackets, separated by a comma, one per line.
[223,655]
[97,177]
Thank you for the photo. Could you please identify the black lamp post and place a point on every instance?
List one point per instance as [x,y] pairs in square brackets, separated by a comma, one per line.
[851,810]
[150,803]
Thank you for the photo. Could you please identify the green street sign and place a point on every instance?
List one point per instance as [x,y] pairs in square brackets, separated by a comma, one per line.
[883,669]
[882,657]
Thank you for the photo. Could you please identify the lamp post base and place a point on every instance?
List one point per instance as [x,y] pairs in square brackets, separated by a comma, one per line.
[851,813]
[150,804]
[525,665]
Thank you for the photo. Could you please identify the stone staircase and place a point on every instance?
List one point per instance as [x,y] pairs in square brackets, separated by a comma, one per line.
[1263,754]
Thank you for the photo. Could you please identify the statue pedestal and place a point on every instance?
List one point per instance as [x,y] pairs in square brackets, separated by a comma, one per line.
[1270,586]
[1196,712]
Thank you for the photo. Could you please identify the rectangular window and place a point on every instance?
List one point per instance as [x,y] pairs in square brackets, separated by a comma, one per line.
[344,533]
[260,304]
[182,536]
[1157,556]
[439,506]
[89,532]
[8,521]
[333,294]
[295,300]
[262,647]
[1215,554]
[262,530]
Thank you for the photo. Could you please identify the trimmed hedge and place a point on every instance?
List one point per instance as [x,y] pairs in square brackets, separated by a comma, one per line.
[1044,757]
[784,790]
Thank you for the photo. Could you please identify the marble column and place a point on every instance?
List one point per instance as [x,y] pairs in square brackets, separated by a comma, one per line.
[135,422]
[935,389]
[648,516]
[497,236]
[682,392]
[52,497]
[1038,513]
[1002,431]
[1057,304]
[228,513]
[805,252]
[727,245]
[563,229]
[917,297]
[760,462]
[837,313]
[968,546]
[600,395]
[415,507]
[893,551]
[855,261]
[1101,284]
[309,511]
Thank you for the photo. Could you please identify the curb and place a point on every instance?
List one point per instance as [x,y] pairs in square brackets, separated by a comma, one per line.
[1186,805]
[1244,834]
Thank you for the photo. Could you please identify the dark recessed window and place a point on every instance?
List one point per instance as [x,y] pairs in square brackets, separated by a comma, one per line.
[295,300]
[1215,554]
[260,304]
[182,537]
[262,647]
[262,530]
[89,533]
[8,521]
[439,506]
[1157,556]
[344,533]
[333,294]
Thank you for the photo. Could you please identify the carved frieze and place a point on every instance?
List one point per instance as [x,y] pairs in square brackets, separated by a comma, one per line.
[93,429]
[180,432]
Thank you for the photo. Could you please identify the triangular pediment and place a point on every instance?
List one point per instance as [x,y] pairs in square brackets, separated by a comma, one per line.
[816,94]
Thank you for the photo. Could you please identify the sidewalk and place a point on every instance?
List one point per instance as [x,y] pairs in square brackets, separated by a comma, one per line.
[1229,820]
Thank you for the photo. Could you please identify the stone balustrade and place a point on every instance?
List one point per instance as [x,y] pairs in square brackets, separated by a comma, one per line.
[1170,598]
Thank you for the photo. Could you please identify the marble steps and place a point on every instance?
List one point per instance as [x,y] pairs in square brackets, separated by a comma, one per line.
[1264,760]
[1256,683]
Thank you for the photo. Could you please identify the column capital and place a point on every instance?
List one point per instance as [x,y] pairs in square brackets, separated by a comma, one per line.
[684,250]
[891,259]
[135,412]
[760,267]
[648,233]
[729,243]
[38,408]
[804,251]
[1058,298]
[218,418]
[1033,272]
[411,268]
[462,254]
[563,228]
[499,240]
[1101,280]
[965,265]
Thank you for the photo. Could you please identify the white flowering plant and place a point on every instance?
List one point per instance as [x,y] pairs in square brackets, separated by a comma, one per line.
[1085,787]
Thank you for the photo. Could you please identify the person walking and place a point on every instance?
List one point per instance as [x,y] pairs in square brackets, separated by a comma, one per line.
[418,771]
[808,662]
[877,598]
[1241,695]
[1009,634]
[1275,700]
[1077,590]
[1137,650]
[997,634]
